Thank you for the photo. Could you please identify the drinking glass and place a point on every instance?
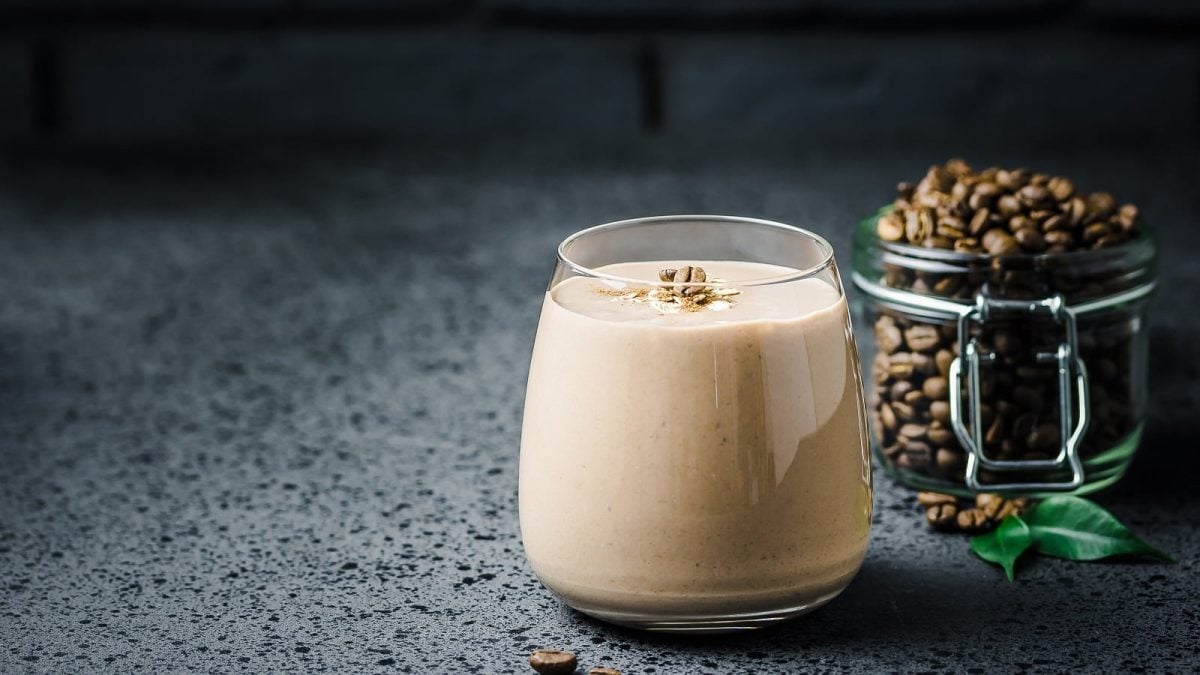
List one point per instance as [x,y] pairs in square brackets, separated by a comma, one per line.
[694,454]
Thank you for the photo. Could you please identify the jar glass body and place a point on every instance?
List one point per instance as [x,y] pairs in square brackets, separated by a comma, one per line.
[1019,402]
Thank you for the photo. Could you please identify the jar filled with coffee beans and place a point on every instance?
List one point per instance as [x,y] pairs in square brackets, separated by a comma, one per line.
[1010,342]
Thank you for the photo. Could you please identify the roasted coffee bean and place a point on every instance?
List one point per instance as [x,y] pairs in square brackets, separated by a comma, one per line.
[983,196]
[913,432]
[943,359]
[971,520]
[1033,195]
[967,245]
[1100,205]
[894,450]
[984,499]
[899,389]
[940,411]
[912,227]
[1061,188]
[1127,217]
[1060,237]
[900,365]
[1012,180]
[887,335]
[552,662]
[942,516]
[950,462]
[904,412]
[916,455]
[604,670]
[1030,239]
[948,285]
[939,435]
[928,499]
[1095,231]
[951,227]
[917,399]
[999,242]
[1055,223]
[978,223]
[921,337]
[935,388]
[923,364]
[1008,206]
[887,417]
[890,228]
[1018,223]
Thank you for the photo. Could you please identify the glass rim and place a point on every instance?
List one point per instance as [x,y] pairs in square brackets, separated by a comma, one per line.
[823,246]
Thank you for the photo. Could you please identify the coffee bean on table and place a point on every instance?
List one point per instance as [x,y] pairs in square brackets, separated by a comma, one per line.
[942,516]
[604,670]
[971,520]
[553,662]
[928,499]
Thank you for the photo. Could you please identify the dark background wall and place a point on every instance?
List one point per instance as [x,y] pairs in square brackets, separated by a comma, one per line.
[1023,72]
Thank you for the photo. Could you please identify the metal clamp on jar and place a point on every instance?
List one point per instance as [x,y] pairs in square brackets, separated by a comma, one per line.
[1018,373]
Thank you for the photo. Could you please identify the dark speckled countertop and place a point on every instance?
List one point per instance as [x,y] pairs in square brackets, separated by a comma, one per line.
[262,414]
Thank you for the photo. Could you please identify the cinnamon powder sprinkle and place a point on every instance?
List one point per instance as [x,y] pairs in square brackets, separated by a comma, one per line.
[712,298]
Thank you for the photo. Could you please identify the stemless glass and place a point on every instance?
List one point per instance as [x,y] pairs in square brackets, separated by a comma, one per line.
[695,469]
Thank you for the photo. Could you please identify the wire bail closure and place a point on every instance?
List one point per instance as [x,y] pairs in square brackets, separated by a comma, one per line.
[969,430]
[1074,405]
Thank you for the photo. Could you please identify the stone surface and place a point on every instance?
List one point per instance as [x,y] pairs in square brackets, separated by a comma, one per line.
[1055,87]
[260,412]
[357,85]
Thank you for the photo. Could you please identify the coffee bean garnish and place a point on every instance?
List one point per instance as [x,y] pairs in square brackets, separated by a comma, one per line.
[553,662]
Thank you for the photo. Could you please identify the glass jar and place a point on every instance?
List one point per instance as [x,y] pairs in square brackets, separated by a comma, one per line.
[1015,374]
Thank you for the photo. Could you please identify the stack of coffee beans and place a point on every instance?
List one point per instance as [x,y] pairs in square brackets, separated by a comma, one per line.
[1001,212]
[982,223]
[950,514]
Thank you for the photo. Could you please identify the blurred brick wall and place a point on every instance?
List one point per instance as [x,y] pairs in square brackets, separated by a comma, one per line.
[148,71]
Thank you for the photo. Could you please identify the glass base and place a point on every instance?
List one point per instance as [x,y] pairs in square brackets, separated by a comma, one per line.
[718,623]
[1100,471]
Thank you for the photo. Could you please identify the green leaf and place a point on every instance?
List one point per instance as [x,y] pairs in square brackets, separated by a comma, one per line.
[1077,529]
[1004,544]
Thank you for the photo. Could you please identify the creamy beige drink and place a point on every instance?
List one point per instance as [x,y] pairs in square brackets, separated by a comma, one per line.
[701,462]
